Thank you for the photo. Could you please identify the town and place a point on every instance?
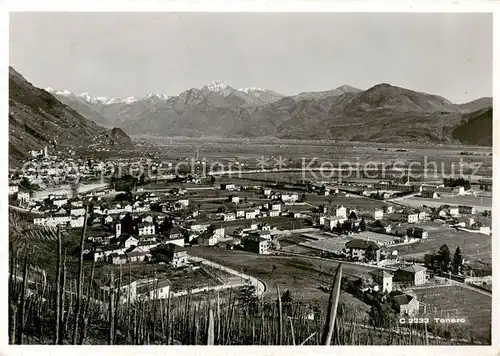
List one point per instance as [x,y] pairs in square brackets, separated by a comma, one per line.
[236,180]
[192,221]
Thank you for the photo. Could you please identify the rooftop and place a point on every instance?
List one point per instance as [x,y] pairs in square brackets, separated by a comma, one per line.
[402,299]
[361,244]
[414,268]
[381,273]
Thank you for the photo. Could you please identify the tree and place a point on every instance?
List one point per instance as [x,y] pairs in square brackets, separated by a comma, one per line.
[286,300]
[339,227]
[128,225]
[457,263]
[370,253]
[27,185]
[212,180]
[362,224]
[166,225]
[353,216]
[74,187]
[444,258]
[247,297]
[303,197]
[322,189]
[382,315]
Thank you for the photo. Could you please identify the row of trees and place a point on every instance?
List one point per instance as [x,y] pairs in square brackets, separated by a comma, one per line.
[443,262]
[457,182]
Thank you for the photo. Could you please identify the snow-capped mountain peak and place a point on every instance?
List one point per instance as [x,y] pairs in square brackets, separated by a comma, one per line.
[59,92]
[157,96]
[215,86]
[251,90]
[103,100]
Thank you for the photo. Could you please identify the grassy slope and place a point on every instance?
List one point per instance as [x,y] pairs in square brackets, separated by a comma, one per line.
[477,130]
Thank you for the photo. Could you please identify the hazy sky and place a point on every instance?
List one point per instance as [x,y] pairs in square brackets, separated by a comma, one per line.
[133,54]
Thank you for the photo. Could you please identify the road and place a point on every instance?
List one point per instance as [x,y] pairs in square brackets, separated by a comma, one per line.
[359,264]
[260,285]
[13,207]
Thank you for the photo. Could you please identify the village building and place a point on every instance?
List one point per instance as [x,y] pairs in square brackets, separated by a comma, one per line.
[466,210]
[52,220]
[229,244]
[13,189]
[251,214]
[155,290]
[431,194]
[289,197]
[422,214]
[240,213]
[23,196]
[101,253]
[60,202]
[77,211]
[406,216]
[145,245]
[265,234]
[357,249]
[454,211]
[174,233]
[117,258]
[465,221]
[274,213]
[78,221]
[183,203]
[383,279]
[331,222]
[235,199]
[274,206]
[198,227]
[417,233]
[227,186]
[414,274]
[171,253]
[217,231]
[392,259]
[229,217]
[207,239]
[77,204]
[126,241]
[405,304]
[138,255]
[256,244]
[391,186]
[378,214]
[341,211]
[145,229]
[126,291]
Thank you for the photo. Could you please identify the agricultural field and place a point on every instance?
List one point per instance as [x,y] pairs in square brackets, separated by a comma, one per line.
[332,245]
[473,245]
[479,203]
[301,275]
[459,302]
[353,202]
[335,151]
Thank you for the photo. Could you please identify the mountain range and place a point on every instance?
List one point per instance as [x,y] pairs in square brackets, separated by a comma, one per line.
[38,119]
[382,113]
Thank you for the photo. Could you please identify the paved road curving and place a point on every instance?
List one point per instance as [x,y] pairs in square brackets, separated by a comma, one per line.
[260,286]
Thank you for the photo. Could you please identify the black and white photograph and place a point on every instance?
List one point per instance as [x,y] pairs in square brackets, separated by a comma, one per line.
[250,178]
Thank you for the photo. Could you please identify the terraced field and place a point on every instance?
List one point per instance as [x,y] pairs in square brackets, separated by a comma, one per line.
[473,246]
[459,302]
